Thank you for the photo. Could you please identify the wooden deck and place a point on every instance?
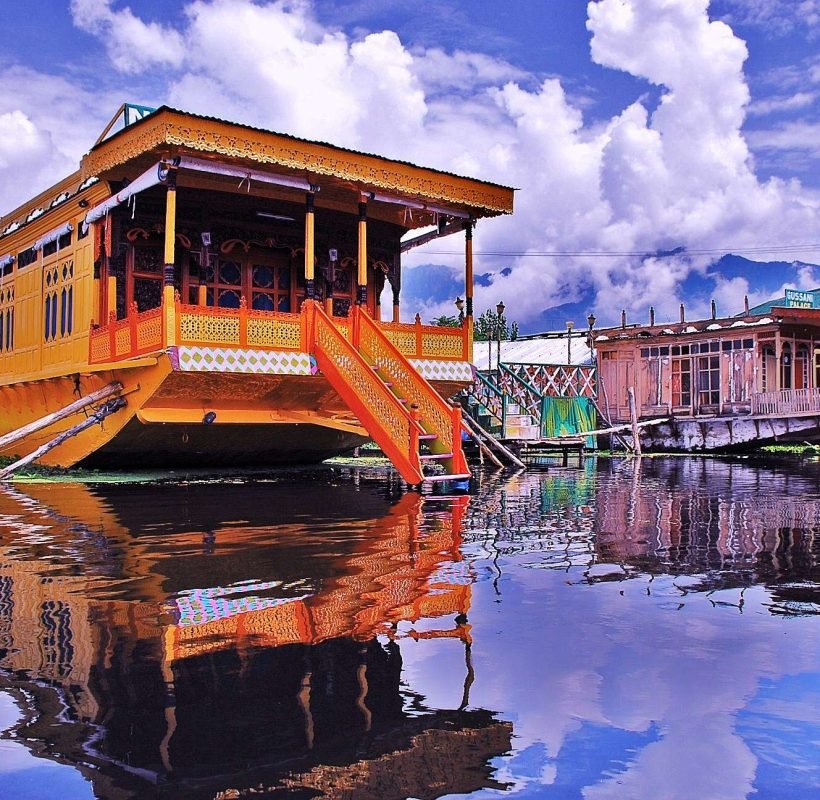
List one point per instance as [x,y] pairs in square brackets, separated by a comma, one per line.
[786,402]
[535,452]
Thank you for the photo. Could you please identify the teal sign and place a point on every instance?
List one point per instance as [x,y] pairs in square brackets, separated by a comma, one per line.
[795,298]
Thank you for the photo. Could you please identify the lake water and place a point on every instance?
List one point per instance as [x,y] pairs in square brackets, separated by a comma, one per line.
[629,629]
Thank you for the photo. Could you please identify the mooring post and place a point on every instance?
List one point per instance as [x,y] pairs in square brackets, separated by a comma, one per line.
[633,416]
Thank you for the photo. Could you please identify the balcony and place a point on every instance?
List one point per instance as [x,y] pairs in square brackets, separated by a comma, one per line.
[144,332]
[786,402]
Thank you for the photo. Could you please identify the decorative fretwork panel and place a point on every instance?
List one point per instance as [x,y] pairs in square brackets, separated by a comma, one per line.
[403,338]
[149,331]
[274,330]
[100,347]
[442,344]
[139,333]
[426,341]
[214,326]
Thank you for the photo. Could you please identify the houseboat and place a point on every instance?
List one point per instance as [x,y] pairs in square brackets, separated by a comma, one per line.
[220,287]
[715,383]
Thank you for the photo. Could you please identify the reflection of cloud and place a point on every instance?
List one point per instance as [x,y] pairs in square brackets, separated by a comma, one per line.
[700,758]
[651,673]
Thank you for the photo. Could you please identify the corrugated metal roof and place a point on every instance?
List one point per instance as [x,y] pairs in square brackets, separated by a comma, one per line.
[548,349]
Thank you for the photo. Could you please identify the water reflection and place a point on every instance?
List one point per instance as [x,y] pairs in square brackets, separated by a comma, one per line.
[209,638]
[629,629]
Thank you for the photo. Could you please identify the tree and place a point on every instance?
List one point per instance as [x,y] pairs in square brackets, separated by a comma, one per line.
[446,321]
[486,327]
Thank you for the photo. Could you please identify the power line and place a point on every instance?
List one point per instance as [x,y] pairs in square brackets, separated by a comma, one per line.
[757,250]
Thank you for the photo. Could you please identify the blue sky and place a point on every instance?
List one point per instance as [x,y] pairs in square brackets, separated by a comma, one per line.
[629,126]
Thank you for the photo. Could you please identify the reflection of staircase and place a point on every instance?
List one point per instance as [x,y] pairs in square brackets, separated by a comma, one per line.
[412,424]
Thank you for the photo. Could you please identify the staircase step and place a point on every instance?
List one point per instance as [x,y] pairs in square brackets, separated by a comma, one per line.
[520,419]
[435,456]
[525,431]
[442,478]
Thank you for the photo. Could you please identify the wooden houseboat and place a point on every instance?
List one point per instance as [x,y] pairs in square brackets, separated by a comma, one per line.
[715,383]
[223,284]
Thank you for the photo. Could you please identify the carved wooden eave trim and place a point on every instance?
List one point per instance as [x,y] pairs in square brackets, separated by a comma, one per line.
[168,129]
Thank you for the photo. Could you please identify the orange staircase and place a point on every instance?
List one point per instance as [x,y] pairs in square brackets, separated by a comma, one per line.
[401,411]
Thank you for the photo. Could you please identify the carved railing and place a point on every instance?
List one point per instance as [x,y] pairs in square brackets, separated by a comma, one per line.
[139,333]
[209,326]
[389,423]
[242,327]
[427,341]
[787,401]
[558,380]
[436,415]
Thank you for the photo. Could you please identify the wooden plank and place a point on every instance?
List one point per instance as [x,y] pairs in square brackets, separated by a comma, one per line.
[483,449]
[67,411]
[109,408]
[509,455]
[616,428]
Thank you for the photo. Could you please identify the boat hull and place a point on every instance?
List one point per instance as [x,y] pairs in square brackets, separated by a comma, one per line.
[163,444]
[190,418]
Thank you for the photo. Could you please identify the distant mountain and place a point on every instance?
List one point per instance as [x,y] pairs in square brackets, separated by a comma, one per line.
[431,283]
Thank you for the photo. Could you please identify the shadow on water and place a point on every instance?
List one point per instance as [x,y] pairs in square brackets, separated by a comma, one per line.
[324,634]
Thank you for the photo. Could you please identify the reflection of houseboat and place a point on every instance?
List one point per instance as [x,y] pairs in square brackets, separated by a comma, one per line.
[720,382]
[247,650]
[231,276]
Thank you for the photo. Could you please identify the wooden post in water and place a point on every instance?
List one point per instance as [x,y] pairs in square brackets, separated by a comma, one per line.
[633,416]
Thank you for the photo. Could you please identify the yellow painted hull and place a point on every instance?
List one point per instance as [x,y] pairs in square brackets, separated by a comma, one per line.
[185,418]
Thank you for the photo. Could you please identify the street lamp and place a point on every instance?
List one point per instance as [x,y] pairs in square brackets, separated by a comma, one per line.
[591,323]
[499,325]
[570,325]
[460,307]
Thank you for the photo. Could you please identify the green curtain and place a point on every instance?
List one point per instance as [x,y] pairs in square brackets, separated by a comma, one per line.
[568,415]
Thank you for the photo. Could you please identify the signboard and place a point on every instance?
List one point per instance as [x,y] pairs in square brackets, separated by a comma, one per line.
[796,298]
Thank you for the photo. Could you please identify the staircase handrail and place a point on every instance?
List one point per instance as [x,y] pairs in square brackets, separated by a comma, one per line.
[534,406]
[436,415]
[393,427]
[493,392]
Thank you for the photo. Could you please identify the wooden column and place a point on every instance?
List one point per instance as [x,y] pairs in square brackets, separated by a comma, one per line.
[205,260]
[395,285]
[361,279]
[168,299]
[310,282]
[331,279]
[468,288]
[110,297]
